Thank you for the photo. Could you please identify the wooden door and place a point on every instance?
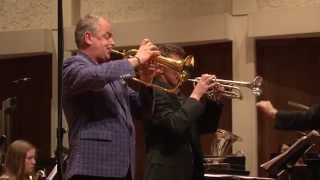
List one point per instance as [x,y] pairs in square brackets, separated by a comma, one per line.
[26,84]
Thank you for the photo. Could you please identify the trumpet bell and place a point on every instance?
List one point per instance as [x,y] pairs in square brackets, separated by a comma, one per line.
[178,65]
[182,66]
[188,67]
[255,86]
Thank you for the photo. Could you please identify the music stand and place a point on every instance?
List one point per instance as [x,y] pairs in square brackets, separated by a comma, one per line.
[286,160]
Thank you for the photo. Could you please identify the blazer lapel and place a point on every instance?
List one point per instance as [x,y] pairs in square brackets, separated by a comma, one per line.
[119,94]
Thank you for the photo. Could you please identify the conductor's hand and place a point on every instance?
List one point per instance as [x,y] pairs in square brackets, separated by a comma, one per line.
[267,108]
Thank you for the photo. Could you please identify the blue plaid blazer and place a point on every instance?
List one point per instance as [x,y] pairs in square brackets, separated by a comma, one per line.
[97,105]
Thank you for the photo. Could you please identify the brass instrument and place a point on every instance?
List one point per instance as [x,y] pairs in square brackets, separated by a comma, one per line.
[222,142]
[181,66]
[232,89]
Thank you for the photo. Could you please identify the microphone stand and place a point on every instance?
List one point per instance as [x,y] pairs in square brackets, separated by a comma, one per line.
[60,130]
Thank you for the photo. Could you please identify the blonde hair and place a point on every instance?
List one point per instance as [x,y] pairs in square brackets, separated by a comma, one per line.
[15,159]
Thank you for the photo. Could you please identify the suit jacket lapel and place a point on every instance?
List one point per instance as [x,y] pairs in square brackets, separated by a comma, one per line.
[119,94]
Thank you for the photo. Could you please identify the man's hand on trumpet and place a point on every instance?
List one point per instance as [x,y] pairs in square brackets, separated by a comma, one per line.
[217,90]
[204,84]
[149,71]
[146,53]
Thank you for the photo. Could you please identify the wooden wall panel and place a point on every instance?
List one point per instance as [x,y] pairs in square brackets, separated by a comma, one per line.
[31,115]
[290,68]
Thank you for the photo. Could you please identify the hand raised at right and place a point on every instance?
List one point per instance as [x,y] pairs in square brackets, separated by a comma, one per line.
[267,108]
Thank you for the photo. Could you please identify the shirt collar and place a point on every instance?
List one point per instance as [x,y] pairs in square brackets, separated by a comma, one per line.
[80,53]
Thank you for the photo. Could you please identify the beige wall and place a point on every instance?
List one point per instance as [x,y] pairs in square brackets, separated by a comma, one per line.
[191,21]
[154,10]
[278,4]
[16,15]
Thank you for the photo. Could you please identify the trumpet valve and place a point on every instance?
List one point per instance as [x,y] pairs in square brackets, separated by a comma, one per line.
[256,91]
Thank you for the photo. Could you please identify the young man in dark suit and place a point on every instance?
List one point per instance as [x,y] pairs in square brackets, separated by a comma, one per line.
[98,103]
[173,132]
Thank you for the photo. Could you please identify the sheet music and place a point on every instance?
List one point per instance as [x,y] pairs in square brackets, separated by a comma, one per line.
[235,176]
[278,163]
[52,173]
[218,175]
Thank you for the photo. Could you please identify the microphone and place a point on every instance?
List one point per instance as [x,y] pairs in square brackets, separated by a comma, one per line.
[3,139]
[24,79]
[298,105]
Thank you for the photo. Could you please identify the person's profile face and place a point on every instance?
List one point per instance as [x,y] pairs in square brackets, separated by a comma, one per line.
[30,161]
[102,41]
[171,76]
[284,148]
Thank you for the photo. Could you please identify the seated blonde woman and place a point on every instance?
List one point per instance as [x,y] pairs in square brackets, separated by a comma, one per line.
[20,161]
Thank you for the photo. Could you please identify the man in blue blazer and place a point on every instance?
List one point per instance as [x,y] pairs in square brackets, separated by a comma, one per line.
[98,103]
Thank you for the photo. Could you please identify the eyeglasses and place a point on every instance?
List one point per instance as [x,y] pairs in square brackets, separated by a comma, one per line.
[107,35]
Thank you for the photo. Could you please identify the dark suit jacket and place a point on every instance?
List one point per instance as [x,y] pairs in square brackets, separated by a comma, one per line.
[306,120]
[173,136]
[98,105]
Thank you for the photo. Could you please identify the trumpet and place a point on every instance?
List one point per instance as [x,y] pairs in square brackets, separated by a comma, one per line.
[182,66]
[232,88]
